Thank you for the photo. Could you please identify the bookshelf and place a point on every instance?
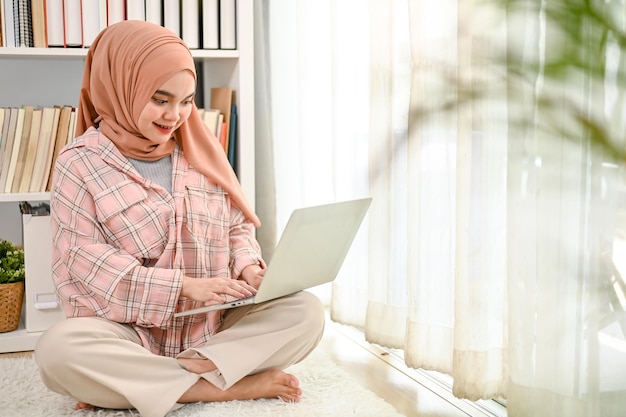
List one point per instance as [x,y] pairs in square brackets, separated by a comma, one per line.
[69,53]
[52,76]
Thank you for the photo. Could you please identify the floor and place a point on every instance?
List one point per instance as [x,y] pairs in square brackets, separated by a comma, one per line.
[411,393]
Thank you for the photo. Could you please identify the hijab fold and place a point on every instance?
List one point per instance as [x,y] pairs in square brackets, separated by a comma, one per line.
[127,62]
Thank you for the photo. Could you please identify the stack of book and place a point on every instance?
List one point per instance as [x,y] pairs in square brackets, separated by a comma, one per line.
[202,24]
[31,138]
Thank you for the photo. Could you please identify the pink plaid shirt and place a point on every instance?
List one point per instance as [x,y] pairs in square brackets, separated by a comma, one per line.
[122,243]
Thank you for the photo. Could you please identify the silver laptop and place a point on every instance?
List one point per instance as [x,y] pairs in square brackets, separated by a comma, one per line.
[310,252]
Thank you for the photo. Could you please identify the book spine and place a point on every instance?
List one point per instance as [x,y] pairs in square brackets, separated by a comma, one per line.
[90,21]
[232,140]
[116,11]
[171,15]
[9,21]
[154,12]
[135,10]
[38,11]
[190,23]
[23,20]
[54,23]
[73,25]
[228,26]
[210,24]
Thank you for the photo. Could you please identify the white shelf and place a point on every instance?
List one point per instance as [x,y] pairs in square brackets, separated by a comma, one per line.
[68,53]
[18,340]
[39,53]
[17,197]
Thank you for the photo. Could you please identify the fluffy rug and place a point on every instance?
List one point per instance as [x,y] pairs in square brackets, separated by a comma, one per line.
[328,391]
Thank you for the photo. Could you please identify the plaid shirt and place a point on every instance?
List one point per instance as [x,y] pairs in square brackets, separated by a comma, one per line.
[122,244]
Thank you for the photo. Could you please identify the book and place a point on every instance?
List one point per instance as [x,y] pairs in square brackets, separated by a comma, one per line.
[3,132]
[8,132]
[38,10]
[210,24]
[42,179]
[220,127]
[71,133]
[222,100]
[17,140]
[33,173]
[224,136]
[102,13]
[23,149]
[22,182]
[190,23]
[135,10]
[228,24]
[72,21]
[8,129]
[8,30]
[154,12]
[54,23]
[8,111]
[210,117]
[16,22]
[23,18]
[171,15]
[116,11]
[61,138]
[93,21]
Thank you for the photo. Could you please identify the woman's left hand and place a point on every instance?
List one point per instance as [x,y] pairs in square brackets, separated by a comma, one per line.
[253,275]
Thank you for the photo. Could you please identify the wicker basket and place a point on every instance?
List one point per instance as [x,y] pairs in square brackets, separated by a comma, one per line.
[11,296]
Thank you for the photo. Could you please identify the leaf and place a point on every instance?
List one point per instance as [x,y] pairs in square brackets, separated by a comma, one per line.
[11,263]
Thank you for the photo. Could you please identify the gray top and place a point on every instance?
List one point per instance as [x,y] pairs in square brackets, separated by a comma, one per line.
[158,171]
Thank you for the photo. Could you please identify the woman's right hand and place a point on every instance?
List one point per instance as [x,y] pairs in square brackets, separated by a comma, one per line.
[215,290]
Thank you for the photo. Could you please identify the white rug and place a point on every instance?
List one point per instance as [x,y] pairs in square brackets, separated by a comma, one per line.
[328,391]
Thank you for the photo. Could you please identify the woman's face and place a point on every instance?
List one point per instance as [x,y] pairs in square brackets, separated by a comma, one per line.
[168,108]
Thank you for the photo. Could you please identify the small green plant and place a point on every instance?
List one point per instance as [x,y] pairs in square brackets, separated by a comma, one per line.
[11,263]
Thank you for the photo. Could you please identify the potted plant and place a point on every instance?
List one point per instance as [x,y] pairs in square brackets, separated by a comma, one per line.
[12,274]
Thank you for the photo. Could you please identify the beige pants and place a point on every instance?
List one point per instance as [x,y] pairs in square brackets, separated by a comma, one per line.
[103,363]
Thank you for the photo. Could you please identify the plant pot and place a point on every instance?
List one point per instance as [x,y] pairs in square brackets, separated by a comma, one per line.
[11,296]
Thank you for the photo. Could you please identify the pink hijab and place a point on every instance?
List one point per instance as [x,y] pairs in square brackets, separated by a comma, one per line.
[125,65]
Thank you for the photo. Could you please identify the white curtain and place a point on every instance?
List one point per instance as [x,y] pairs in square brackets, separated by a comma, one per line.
[487,250]
[567,354]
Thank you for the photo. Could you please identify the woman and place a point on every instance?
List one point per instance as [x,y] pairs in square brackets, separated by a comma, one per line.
[148,219]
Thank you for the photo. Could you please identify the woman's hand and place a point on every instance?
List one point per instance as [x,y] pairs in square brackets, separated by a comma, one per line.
[215,290]
[253,275]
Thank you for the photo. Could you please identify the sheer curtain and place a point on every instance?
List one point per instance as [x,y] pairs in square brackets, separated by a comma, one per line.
[567,354]
[487,251]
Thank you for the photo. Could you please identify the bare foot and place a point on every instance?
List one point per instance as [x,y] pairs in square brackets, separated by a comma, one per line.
[82,406]
[269,384]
